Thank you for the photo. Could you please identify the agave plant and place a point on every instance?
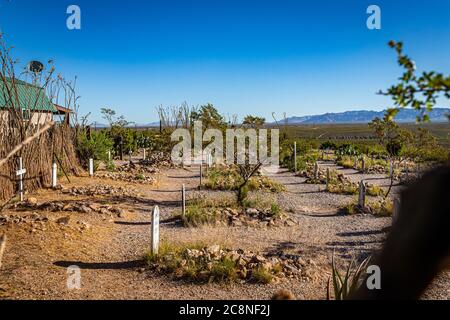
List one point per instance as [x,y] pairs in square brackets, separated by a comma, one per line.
[346,285]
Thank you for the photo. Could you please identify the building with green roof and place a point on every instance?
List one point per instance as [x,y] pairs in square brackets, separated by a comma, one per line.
[30,99]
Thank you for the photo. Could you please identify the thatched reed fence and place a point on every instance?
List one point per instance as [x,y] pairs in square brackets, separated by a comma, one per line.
[57,143]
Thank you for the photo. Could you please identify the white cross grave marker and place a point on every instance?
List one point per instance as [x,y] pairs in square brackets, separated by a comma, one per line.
[20,173]
[155,230]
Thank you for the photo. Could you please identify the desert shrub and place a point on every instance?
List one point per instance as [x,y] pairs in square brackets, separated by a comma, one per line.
[197,215]
[346,162]
[348,150]
[343,188]
[228,179]
[381,208]
[96,147]
[110,166]
[374,191]
[376,151]
[223,270]
[262,275]
[275,210]
[328,145]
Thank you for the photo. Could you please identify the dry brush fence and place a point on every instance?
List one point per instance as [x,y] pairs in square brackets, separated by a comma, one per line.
[38,156]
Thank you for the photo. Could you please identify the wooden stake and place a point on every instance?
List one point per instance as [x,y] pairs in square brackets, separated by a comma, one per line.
[155,230]
[183,200]
[2,247]
[295,157]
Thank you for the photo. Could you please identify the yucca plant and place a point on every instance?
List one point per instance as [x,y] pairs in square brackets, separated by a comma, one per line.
[347,284]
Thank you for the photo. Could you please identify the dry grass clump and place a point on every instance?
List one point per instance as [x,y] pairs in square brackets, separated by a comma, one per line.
[206,211]
[347,188]
[228,179]
[380,208]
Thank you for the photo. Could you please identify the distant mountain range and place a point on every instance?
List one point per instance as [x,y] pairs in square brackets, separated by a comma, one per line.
[364,116]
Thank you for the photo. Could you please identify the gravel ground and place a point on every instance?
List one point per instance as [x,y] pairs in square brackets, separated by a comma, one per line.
[110,255]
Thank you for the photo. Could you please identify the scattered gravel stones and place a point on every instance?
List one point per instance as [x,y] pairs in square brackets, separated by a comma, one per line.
[99,190]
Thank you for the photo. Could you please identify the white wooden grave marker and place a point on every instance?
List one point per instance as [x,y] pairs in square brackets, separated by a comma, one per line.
[295,157]
[183,200]
[54,175]
[144,154]
[91,167]
[201,172]
[155,230]
[20,173]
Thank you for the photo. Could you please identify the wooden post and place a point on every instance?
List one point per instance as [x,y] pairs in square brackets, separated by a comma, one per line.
[328,177]
[356,163]
[362,195]
[363,165]
[109,156]
[183,200]
[2,247]
[295,157]
[20,173]
[316,171]
[129,155]
[91,167]
[201,173]
[144,154]
[155,230]
[54,175]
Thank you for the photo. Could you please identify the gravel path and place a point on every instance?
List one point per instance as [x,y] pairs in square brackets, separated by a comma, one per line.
[110,256]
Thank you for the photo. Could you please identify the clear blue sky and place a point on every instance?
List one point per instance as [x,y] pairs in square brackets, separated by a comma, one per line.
[245,57]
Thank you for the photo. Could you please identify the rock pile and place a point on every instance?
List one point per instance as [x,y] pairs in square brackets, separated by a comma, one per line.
[248,266]
[254,217]
[37,222]
[157,160]
[75,206]
[99,190]
[133,177]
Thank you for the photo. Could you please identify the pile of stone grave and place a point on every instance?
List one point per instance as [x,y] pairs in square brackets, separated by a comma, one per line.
[278,265]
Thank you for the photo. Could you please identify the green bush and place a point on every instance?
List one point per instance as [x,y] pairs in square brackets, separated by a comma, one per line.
[96,147]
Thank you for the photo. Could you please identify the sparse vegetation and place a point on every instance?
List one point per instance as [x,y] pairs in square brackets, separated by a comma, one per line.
[229,179]
[349,283]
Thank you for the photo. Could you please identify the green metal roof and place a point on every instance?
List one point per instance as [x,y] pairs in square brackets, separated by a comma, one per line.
[24,96]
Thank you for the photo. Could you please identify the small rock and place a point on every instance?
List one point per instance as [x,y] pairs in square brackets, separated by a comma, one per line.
[252,211]
[214,249]
[63,221]
[259,259]
[32,201]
